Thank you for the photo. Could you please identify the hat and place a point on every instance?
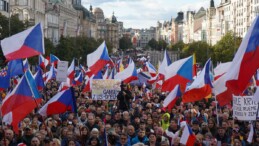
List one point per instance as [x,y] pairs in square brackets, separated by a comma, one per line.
[108,113]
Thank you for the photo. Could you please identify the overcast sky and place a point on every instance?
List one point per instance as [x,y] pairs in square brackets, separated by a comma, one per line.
[145,13]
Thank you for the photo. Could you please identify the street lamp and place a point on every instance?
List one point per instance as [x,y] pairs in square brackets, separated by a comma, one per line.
[78,60]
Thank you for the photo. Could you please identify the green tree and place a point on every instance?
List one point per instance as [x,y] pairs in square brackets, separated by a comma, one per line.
[200,48]
[179,45]
[162,45]
[125,43]
[225,49]
[153,43]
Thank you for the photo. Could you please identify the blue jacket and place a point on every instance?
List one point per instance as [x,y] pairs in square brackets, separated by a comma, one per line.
[136,140]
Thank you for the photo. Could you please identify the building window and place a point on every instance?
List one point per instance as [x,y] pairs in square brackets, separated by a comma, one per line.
[1,5]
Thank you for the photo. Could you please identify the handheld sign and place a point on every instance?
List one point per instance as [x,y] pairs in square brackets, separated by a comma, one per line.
[62,71]
[105,89]
[244,108]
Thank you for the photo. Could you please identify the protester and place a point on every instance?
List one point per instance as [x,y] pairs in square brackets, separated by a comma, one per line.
[137,117]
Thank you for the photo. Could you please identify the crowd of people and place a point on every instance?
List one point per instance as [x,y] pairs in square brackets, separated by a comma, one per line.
[136,118]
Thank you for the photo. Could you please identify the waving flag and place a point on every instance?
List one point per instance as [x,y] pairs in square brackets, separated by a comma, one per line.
[79,79]
[71,71]
[24,44]
[98,59]
[25,65]
[245,62]
[51,74]
[39,80]
[4,78]
[15,67]
[105,76]
[201,87]
[99,75]
[112,74]
[21,101]
[188,137]
[60,103]
[179,72]
[64,85]
[172,97]
[119,65]
[87,86]
[151,69]
[129,74]
[82,68]
[43,62]
[162,67]
[221,69]
[54,59]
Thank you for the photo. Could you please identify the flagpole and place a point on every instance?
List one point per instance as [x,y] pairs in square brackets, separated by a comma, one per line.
[217,111]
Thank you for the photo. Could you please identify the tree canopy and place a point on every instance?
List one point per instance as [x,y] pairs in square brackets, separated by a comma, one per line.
[125,43]
[226,48]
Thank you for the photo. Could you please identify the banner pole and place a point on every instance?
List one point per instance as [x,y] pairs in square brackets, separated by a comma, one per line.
[217,114]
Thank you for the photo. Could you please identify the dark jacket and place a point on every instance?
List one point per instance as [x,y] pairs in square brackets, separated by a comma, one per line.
[124,100]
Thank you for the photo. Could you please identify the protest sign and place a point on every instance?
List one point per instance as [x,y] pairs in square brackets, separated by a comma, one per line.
[105,89]
[62,71]
[244,108]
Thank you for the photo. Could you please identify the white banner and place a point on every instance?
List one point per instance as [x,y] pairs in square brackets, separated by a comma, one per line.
[62,71]
[105,89]
[244,108]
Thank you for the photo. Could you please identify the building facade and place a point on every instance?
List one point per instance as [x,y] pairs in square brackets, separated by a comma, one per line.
[32,11]
[4,7]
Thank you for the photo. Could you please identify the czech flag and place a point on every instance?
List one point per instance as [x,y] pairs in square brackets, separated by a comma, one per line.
[222,93]
[51,74]
[245,62]
[201,87]
[188,137]
[24,44]
[87,86]
[127,75]
[151,69]
[39,80]
[60,103]
[98,59]
[162,67]
[112,74]
[25,65]
[172,97]
[79,79]
[221,69]
[105,76]
[64,85]
[53,59]
[43,62]
[71,71]
[179,72]
[21,101]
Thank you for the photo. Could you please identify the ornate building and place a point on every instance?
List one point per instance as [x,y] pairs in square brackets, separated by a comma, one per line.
[29,10]
[87,23]
[108,29]
[101,24]
[177,29]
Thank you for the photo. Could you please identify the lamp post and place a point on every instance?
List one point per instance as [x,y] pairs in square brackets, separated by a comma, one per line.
[78,60]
